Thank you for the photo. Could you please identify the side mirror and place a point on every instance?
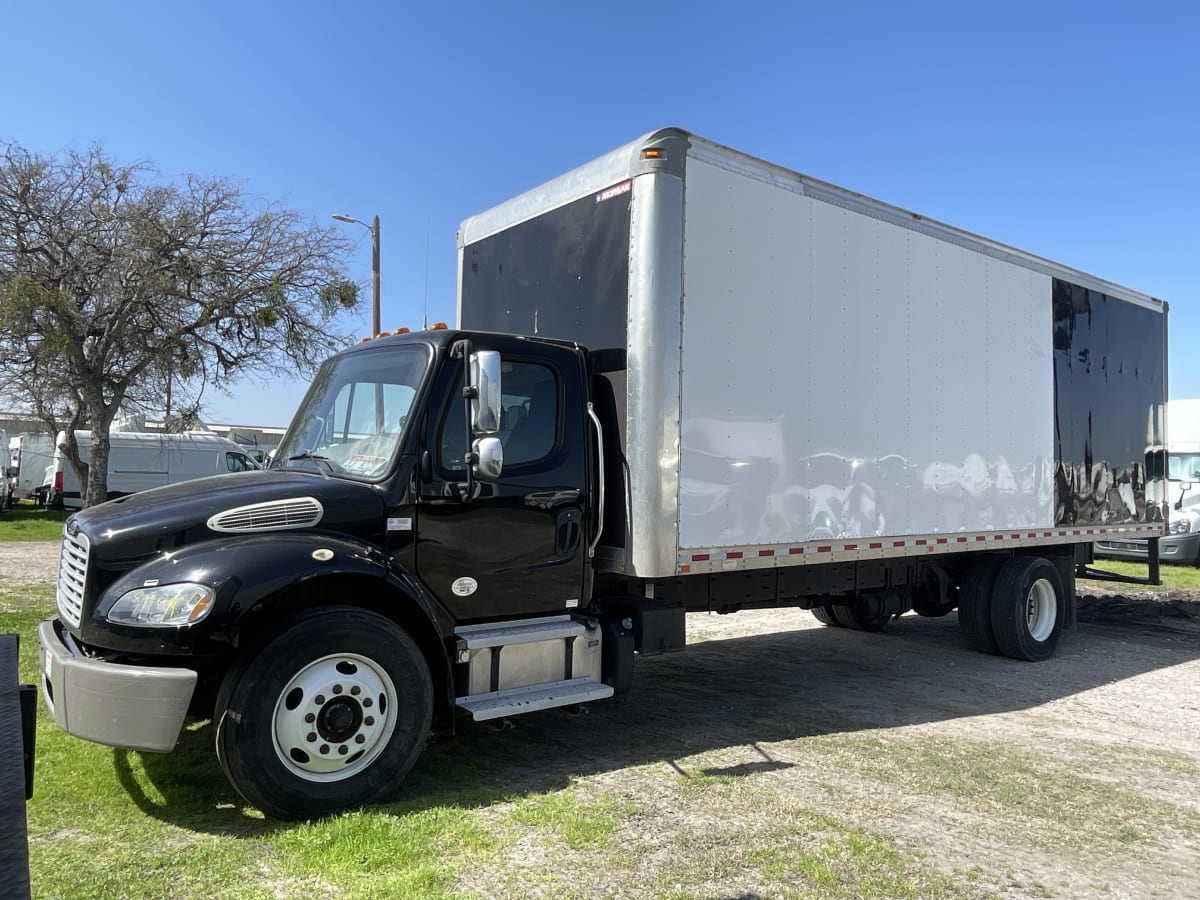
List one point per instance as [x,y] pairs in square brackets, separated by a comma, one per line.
[488,454]
[485,404]
[1184,487]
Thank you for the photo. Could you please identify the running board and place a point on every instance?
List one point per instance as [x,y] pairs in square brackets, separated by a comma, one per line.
[531,698]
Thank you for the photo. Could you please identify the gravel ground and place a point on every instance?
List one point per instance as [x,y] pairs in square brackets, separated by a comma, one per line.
[28,562]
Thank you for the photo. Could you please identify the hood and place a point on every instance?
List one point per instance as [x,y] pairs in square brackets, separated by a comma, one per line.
[129,529]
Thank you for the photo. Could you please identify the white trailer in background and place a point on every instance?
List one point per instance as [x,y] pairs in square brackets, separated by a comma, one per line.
[30,454]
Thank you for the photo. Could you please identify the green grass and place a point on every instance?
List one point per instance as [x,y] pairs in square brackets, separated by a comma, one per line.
[1174,577]
[29,522]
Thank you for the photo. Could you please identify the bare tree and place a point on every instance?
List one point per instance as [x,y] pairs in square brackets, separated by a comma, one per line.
[116,287]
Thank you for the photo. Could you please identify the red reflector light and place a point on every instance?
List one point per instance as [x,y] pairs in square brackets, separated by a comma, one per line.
[58,482]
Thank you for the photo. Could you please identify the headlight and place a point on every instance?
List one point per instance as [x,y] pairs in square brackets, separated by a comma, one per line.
[163,605]
[1180,526]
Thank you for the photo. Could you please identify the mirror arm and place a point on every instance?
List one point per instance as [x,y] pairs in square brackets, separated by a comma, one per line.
[463,349]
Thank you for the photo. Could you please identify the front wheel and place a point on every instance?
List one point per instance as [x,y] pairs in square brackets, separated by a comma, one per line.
[330,714]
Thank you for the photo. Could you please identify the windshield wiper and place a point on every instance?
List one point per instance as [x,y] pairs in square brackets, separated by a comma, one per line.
[326,465]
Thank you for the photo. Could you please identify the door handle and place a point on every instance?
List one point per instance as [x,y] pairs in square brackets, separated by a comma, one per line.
[567,530]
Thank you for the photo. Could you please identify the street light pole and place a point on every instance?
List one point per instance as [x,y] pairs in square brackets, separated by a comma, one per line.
[375,325]
[374,229]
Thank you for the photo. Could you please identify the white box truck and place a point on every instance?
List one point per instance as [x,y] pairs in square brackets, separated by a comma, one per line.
[30,454]
[682,380]
[138,461]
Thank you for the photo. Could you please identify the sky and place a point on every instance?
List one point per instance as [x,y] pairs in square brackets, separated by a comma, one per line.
[1067,129]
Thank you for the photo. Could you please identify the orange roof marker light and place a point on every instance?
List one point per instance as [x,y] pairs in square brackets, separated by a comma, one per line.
[364,340]
[438,326]
[401,330]
[653,153]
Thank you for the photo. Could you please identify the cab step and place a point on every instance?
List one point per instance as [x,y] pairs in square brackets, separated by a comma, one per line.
[531,698]
[524,631]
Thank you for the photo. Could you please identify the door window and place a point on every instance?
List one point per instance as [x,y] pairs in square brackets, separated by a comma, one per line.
[238,462]
[530,417]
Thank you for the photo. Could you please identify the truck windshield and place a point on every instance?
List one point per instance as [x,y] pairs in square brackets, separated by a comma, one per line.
[1183,466]
[354,417]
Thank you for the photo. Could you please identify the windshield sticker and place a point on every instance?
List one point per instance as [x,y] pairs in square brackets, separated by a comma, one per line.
[615,191]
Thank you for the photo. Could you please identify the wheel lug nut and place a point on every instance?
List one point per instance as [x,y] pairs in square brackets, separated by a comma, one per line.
[319,699]
[325,748]
[310,718]
[311,737]
[337,688]
[369,720]
[355,690]
[367,702]
[360,739]
[343,750]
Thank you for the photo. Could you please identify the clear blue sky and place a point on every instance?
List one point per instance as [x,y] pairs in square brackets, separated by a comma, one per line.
[1071,130]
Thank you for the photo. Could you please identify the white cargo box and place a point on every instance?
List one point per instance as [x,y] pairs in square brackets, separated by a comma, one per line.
[810,375]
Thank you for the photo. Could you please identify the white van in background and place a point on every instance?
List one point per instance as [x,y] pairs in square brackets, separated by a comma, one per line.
[138,461]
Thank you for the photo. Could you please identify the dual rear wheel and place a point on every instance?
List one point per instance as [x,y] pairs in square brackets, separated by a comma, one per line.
[1014,606]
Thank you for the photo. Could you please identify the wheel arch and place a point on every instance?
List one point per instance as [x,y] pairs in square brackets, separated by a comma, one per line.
[395,597]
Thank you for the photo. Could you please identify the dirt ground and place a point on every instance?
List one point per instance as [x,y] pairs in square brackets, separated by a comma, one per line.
[1077,777]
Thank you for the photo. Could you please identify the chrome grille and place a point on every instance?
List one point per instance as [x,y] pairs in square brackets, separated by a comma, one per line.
[275,515]
[72,577]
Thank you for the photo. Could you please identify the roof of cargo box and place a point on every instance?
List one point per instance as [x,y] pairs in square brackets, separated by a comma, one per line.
[627,161]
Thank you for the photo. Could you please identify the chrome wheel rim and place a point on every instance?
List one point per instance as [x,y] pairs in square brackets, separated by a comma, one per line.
[1041,609]
[334,717]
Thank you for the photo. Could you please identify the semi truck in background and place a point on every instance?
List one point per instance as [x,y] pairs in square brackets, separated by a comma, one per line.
[138,461]
[1182,486]
[682,380]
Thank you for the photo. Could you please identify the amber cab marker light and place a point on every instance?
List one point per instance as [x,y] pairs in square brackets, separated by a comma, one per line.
[364,340]
[438,326]
[400,330]
[653,153]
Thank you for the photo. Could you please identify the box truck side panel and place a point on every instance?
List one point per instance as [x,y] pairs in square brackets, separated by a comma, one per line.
[1109,379]
[847,377]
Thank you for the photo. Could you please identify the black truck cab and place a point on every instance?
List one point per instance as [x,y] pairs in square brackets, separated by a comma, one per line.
[434,503]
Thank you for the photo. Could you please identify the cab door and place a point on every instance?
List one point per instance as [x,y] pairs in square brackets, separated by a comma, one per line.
[515,546]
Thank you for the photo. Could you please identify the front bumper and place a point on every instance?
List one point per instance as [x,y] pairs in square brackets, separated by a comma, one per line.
[135,707]
[1176,548]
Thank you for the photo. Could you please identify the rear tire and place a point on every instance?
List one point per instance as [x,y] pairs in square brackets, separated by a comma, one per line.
[975,604]
[824,615]
[1028,608]
[864,613]
[329,715]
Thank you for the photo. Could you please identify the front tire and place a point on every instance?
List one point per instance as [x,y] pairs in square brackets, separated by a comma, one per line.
[330,714]
[1028,608]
